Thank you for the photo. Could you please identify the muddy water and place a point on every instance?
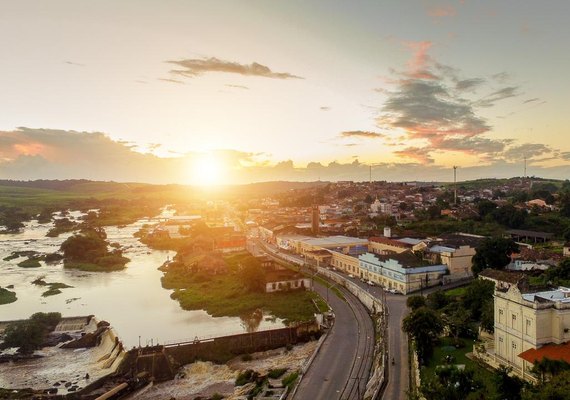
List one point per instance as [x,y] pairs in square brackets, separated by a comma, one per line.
[132,300]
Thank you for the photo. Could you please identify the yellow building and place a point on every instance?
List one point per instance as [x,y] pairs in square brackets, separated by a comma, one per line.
[528,325]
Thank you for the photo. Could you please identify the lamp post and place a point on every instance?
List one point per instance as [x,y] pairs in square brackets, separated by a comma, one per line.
[330,287]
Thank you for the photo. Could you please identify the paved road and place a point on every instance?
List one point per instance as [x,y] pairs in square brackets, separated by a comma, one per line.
[398,374]
[342,366]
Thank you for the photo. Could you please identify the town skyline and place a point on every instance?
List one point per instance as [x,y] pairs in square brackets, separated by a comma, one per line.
[206,94]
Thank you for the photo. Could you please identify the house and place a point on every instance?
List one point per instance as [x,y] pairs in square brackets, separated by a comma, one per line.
[285,280]
[566,249]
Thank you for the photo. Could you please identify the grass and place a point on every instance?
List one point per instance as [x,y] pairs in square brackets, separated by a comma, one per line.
[225,296]
[88,267]
[442,349]
[290,379]
[327,284]
[6,296]
[54,288]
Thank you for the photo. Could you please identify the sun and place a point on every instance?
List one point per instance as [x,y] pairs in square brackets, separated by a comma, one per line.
[206,170]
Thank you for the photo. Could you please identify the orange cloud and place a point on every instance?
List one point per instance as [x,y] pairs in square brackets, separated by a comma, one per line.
[418,64]
[29,149]
[442,11]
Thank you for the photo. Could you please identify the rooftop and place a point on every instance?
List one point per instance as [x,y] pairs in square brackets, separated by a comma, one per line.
[550,351]
[562,294]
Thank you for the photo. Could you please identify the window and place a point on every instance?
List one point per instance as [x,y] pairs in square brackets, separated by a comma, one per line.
[513,320]
[501,339]
[514,345]
[527,328]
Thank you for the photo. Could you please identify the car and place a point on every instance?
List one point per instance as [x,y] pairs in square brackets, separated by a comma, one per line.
[393,291]
[371,283]
[350,276]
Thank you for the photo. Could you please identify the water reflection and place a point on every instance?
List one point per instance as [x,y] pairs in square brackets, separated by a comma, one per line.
[252,320]
[132,300]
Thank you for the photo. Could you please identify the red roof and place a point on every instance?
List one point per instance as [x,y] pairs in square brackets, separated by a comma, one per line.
[550,351]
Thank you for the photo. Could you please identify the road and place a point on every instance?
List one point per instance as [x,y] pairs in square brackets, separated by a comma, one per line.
[342,367]
[398,374]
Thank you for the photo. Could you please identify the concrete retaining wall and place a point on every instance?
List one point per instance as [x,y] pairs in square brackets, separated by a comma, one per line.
[377,377]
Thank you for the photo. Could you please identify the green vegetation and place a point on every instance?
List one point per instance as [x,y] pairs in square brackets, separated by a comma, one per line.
[53,288]
[493,253]
[276,373]
[6,296]
[290,379]
[61,226]
[246,377]
[87,251]
[30,263]
[221,287]
[29,335]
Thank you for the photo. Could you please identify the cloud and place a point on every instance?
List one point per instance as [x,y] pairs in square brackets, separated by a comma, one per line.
[417,66]
[442,11]
[419,154]
[501,94]
[237,86]
[469,84]
[362,134]
[74,64]
[531,100]
[192,68]
[325,108]
[171,81]
[501,77]
[528,150]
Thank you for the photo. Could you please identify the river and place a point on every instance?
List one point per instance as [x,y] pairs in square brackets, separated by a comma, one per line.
[132,300]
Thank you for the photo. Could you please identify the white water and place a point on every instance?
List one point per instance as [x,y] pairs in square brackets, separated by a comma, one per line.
[132,300]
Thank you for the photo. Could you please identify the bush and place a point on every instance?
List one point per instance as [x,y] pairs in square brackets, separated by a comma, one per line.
[246,377]
[276,373]
[29,335]
[290,379]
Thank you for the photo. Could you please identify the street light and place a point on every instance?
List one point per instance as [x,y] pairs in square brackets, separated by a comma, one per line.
[330,287]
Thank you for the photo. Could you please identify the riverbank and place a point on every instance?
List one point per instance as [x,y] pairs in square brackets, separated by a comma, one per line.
[205,379]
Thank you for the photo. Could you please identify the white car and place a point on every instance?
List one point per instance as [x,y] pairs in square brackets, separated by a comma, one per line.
[393,291]
[371,283]
[350,276]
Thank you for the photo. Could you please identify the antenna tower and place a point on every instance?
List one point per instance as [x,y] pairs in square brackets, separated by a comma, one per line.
[455,184]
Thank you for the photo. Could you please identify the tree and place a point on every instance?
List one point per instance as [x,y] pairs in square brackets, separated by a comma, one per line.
[450,383]
[508,387]
[488,316]
[476,295]
[424,325]
[253,276]
[29,335]
[437,300]
[493,253]
[485,207]
[555,389]
[415,302]
[561,272]
[459,322]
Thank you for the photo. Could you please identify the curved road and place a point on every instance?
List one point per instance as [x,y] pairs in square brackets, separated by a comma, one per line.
[341,368]
[398,375]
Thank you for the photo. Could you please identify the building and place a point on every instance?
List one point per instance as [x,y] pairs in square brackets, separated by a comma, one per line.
[305,244]
[315,220]
[404,272]
[345,262]
[529,326]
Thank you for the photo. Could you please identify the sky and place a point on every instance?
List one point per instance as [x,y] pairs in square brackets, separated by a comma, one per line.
[201,92]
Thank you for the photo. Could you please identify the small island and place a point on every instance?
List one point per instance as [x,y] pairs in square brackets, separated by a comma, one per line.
[88,250]
[7,296]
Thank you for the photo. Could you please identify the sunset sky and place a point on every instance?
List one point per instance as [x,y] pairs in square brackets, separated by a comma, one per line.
[215,92]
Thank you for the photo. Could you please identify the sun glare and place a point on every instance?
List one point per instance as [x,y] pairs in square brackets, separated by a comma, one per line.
[206,171]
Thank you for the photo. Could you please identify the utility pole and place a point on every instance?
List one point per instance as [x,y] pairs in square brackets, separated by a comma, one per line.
[524,176]
[455,184]
[370,175]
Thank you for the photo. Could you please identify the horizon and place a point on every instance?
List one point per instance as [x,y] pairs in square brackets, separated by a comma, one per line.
[203,94]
